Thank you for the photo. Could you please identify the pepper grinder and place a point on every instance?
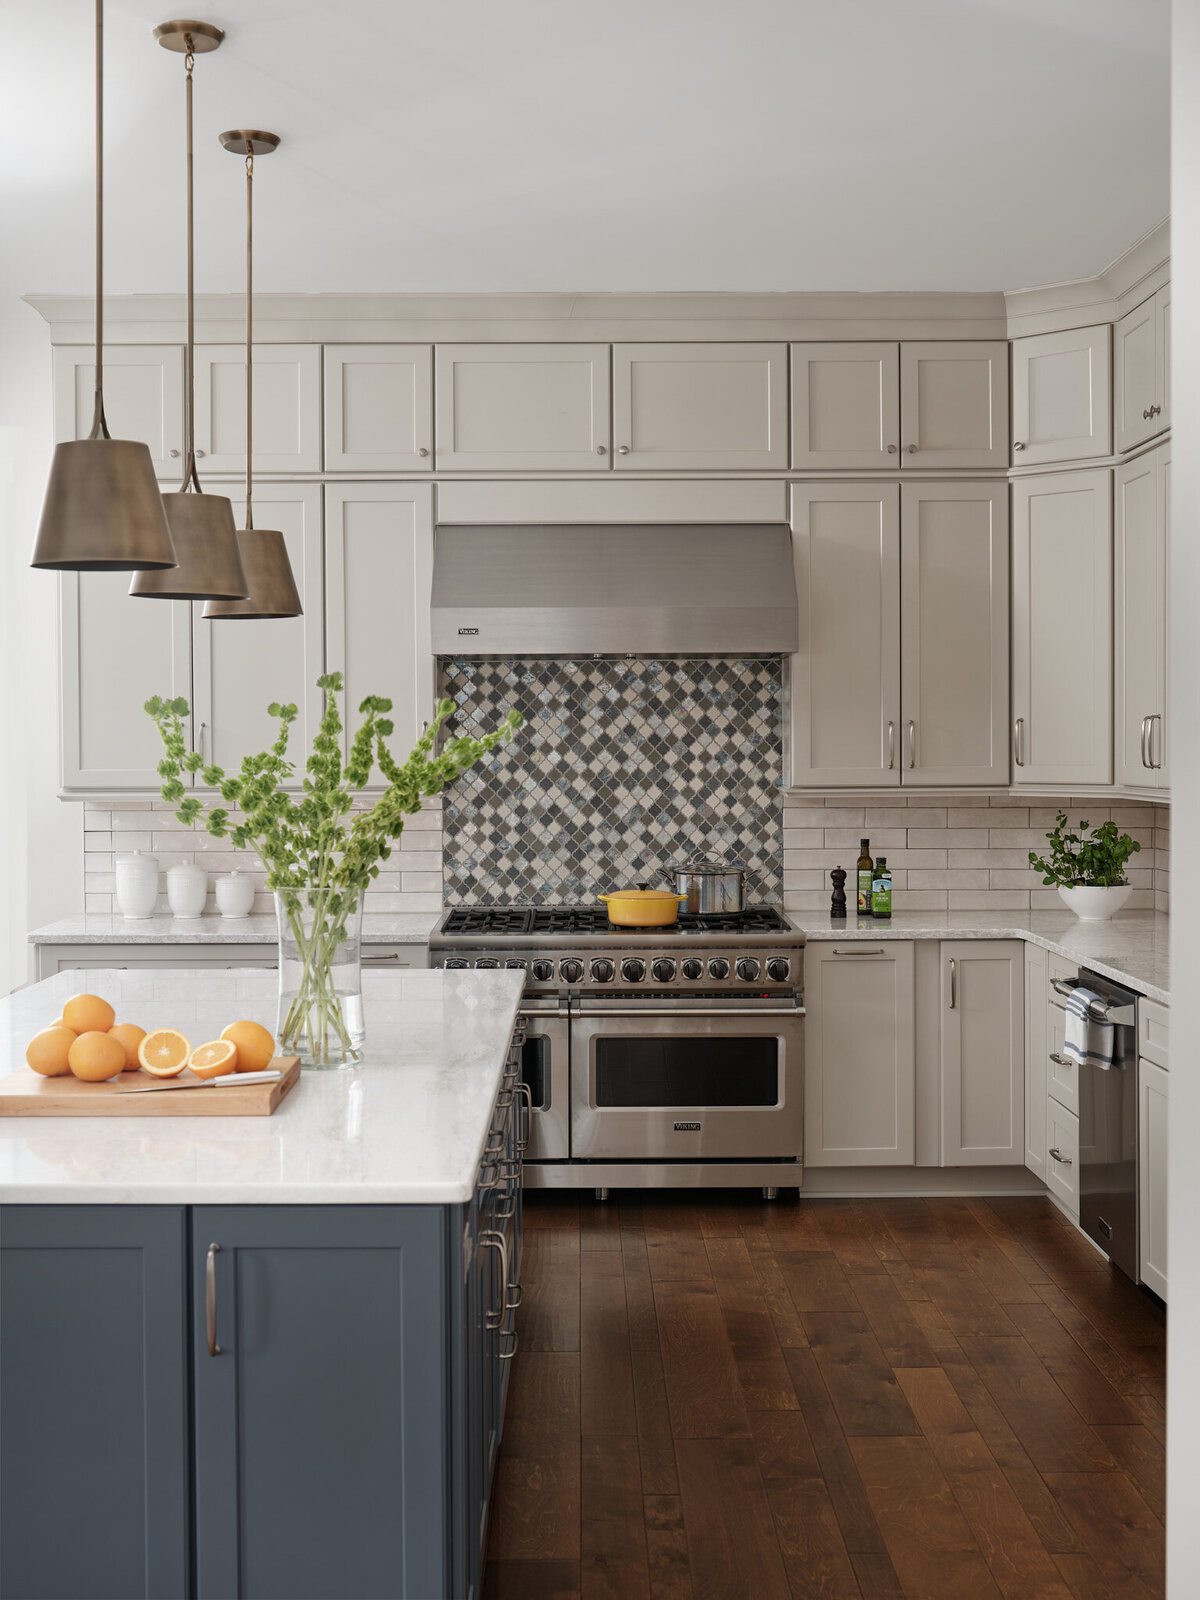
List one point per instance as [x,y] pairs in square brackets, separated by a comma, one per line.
[837,904]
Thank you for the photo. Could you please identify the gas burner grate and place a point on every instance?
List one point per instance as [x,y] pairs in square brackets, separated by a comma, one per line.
[469,920]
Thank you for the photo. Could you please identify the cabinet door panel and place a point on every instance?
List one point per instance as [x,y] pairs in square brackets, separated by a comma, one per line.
[1062,396]
[522,407]
[1162,356]
[1062,1155]
[378,408]
[1135,354]
[692,407]
[845,405]
[859,1083]
[1036,1050]
[1154,1111]
[242,666]
[954,403]
[287,407]
[320,1450]
[954,633]
[1062,628]
[143,397]
[94,1396]
[118,651]
[846,675]
[1140,554]
[983,1053]
[1160,733]
[378,577]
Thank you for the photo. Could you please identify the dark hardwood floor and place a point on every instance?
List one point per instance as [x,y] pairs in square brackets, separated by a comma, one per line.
[716,1398]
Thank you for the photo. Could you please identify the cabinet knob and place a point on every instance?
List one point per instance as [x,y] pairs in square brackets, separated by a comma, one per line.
[1018,444]
[422,451]
[1155,411]
[891,449]
[601,450]
[910,449]
[1147,414]
[200,454]
[622,449]
[173,454]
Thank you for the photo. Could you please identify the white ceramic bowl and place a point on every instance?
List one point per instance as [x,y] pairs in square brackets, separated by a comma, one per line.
[1095,903]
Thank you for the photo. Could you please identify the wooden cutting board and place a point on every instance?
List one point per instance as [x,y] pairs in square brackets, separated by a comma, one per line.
[25,1093]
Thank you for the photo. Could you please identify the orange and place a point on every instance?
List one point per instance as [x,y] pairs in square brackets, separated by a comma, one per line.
[214,1059]
[95,1056]
[164,1052]
[255,1046]
[128,1035]
[47,1051]
[87,1013]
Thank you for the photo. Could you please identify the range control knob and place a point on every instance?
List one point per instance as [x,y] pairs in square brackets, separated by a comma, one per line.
[692,968]
[748,968]
[603,970]
[779,969]
[542,971]
[718,967]
[455,963]
[570,970]
[516,964]
[633,969]
[663,969]
[487,961]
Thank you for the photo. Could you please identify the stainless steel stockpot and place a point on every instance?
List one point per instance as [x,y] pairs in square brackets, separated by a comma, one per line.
[711,886]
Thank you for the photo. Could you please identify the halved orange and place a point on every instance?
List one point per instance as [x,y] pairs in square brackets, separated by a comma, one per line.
[164,1052]
[214,1059]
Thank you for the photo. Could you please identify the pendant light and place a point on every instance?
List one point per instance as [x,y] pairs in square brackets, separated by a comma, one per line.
[102,511]
[202,529]
[263,551]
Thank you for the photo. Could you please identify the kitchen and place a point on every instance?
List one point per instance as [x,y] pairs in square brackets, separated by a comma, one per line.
[770,557]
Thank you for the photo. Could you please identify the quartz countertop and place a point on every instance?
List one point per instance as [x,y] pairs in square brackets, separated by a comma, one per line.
[406,1126]
[1133,948]
[97,927]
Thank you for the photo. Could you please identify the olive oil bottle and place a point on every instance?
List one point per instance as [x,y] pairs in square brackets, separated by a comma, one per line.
[866,868]
[881,889]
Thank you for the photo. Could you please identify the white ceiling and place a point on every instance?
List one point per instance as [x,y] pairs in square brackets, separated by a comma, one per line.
[624,145]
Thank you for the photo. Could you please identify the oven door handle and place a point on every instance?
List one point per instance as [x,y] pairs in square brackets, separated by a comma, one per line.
[651,1010]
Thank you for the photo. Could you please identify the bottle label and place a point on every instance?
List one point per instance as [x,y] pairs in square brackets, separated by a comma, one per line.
[864,890]
[881,897]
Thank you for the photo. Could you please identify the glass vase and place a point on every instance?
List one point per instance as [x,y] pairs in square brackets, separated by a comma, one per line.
[320,975]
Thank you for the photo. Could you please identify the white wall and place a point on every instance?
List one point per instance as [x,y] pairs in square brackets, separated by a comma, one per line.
[1183,1327]
[41,837]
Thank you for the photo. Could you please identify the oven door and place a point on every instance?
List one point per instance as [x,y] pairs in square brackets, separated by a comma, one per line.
[546,1073]
[654,1081]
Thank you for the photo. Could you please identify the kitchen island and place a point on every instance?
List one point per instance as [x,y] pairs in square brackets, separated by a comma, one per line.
[263,1356]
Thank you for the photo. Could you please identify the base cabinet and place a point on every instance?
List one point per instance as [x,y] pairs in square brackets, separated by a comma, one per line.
[983,1053]
[1154,1112]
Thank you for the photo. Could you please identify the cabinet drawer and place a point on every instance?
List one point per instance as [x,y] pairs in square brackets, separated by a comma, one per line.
[1058,967]
[1152,1026]
[1062,1075]
[1062,1154]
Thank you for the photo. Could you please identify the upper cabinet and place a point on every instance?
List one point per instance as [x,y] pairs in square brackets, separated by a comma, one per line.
[696,407]
[287,408]
[942,403]
[845,405]
[1141,619]
[1061,396]
[1142,346]
[1062,629]
[143,397]
[378,408]
[522,407]
[954,403]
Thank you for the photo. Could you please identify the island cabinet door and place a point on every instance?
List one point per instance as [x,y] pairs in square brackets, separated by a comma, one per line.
[321,1401]
[94,1401]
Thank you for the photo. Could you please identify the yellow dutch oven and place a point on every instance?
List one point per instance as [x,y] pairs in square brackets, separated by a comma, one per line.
[642,907]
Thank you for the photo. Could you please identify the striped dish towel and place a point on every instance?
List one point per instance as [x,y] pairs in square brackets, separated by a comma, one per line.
[1087,1042]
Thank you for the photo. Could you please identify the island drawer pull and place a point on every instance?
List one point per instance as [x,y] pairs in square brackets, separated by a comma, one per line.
[507,1353]
[1061,1061]
[491,1239]
[526,1097]
[210,1300]
[860,952]
[1063,1160]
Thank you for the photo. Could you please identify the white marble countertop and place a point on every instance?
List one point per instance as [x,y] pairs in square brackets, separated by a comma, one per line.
[1133,948]
[407,1126]
[97,927]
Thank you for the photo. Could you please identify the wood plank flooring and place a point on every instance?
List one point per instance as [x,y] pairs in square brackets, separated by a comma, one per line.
[715,1398]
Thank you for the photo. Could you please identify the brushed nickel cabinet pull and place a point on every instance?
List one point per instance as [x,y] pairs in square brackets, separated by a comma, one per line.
[891,449]
[891,766]
[622,449]
[210,1300]
[1063,1161]
[910,449]
[912,744]
[601,450]
[422,452]
[953,983]
[1155,716]
[1145,736]
[1060,1061]
[491,1239]
[860,952]
[1018,742]
[1018,444]
[1147,414]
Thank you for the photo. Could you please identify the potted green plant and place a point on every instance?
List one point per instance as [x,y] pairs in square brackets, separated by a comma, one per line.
[319,851]
[1088,868]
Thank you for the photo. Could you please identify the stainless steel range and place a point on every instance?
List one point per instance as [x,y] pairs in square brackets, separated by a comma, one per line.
[661,1056]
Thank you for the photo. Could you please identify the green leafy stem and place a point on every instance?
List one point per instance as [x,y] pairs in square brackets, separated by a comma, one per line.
[1096,859]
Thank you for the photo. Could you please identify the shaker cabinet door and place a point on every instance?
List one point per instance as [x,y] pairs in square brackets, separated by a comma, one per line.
[845,406]
[143,397]
[1154,1115]
[522,407]
[1137,357]
[1141,620]
[846,674]
[287,408]
[698,407]
[954,403]
[241,666]
[1061,396]
[378,408]
[983,1053]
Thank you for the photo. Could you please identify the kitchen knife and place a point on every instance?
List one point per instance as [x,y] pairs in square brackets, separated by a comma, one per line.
[233,1079]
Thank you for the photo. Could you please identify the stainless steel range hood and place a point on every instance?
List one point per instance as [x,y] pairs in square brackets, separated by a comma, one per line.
[642,589]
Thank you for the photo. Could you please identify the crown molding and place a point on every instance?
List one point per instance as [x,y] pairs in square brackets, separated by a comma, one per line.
[1123,284]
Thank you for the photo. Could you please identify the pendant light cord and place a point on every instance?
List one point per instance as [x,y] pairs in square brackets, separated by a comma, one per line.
[99,425]
[190,476]
[249,334]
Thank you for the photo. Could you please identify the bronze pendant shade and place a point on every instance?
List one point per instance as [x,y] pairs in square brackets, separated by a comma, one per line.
[209,566]
[102,511]
[263,551]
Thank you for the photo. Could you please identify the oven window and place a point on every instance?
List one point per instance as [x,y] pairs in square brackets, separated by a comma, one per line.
[687,1072]
[535,1068]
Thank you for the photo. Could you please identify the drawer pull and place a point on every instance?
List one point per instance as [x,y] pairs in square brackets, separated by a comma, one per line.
[210,1300]
[1063,1161]
[1060,1061]
[860,952]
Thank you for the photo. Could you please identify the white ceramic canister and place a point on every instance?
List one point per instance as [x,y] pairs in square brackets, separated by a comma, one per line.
[187,889]
[137,886]
[235,894]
